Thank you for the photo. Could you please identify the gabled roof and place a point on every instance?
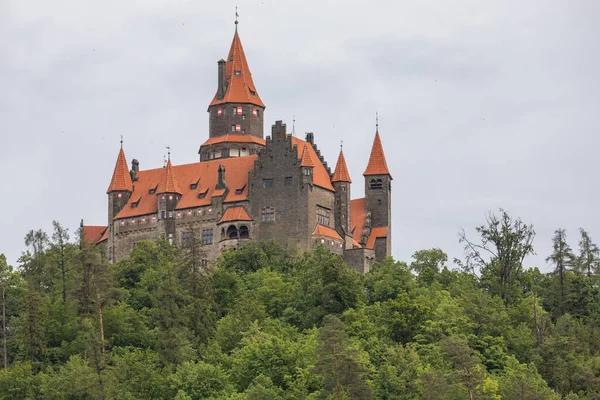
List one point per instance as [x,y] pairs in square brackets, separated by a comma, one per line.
[94,233]
[234,139]
[168,183]
[202,176]
[235,214]
[121,180]
[306,157]
[375,234]
[240,87]
[320,175]
[341,170]
[377,164]
[357,218]
[321,230]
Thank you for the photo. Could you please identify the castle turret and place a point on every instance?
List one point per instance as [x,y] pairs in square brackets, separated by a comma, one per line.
[341,183]
[169,194]
[378,197]
[236,108]
[118,192]
[307,166]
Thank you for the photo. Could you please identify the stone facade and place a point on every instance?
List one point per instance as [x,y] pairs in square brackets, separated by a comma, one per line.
[250,188]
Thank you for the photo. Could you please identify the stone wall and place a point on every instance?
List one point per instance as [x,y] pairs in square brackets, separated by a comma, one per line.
[359,259]
[220,125]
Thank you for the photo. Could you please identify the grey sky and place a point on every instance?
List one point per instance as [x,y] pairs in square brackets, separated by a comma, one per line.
[483,104]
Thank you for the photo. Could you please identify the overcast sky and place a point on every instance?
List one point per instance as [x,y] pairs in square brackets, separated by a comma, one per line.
[482,104]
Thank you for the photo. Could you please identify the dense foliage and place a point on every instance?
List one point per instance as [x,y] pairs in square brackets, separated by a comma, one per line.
[265,323]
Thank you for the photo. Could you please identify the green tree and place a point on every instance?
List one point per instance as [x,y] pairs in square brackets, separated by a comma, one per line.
[339,364]
[500,253]
[562,258]
[522,382]
[62,252]
[427,264]
[589,255]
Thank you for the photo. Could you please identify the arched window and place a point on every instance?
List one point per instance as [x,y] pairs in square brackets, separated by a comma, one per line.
[232,232]
[244,232]
[376,183]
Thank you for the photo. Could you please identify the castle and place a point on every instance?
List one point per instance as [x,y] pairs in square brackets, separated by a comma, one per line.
[248,188]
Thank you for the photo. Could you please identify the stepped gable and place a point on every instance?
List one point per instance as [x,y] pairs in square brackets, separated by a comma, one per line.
[121,180]
[197,182]
[320,176]
[341,170]
[377,164]
[240,86]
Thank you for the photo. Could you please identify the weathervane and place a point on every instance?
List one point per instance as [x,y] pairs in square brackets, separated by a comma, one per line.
[341,144]
[168,152]
[293,125]
[121,141]
[236,17]
[377,120]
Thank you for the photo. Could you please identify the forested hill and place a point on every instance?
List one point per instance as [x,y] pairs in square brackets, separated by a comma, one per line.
[263,323]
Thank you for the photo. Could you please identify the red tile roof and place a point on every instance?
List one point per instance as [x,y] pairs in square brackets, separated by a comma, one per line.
[357,218]
[94,233]
[321,230]
[377,164]
[306,158]
[235,214]
[356,244]
[121,180]
[234,139]
[238,77]
[320,175]
[376,233]
[204,174]
[168,183]
[341,170]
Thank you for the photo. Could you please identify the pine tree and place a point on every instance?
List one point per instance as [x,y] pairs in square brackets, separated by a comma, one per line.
[589,255]
[339,364]
[62,253]
[562,258]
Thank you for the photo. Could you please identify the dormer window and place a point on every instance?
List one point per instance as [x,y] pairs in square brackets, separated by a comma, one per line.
[194,186]
[135,205]
[238,73]
[203,195]
[231,58]
[153,190]
[252,92]
[239,191]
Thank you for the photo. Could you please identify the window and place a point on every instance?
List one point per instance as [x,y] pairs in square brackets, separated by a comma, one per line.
[199,212]
[238,128]
[178,214]
[135,205]
[152,191]
[234,110]
[231,58]
[239,191]
[379,202]
[268,214]
[252,92]
[207,236]
[170,197]
[189,213]
[193,186]
[162,215]
[238,73]
[323,215]
[233,128]
[257,112]
[254,112]
[232,232]
[376,184]
[154,218]
[243,116]
[202,195]
[239,110]
[219,112]
[143,220]
[185,236]
[244,232]
[120,195]
[307,171]
[267,183]
[287,181]
[170,214]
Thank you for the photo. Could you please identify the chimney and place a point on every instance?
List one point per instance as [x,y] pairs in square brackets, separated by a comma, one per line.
[221,181]
[310,137]
[135,168]
[221,72]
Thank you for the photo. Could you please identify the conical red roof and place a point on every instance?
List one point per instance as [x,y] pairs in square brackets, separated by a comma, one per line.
[341,170]
[121,180]
[377,164]
[168,182]
[240,87]
[307,160]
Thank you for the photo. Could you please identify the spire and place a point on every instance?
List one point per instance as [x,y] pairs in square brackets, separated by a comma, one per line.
[307,160]
[238,79]
[168,182]
[341,171]
[121,180]
[377,164]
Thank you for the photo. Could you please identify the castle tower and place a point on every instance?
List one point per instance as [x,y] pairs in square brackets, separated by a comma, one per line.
[307,166]
[341,183]
[168,193]
[378,198]
[236,108]
[118,192]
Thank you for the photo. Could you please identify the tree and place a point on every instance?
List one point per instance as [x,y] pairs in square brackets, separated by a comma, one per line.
[467,367]
[3,277]
[522,382]
[428,264]
[562,258]
[499,256]
[33,260]
[339,364]
[589,255]
[61,247]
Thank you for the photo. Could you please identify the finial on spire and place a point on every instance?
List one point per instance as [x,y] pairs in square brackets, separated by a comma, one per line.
[236,17]
[341,144]
[121,141]
[377,120]
[169,152]
[293,125]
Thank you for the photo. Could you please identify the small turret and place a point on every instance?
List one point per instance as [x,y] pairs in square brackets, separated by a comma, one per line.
[306,166]
[168,193]
[118,191]
[341,183]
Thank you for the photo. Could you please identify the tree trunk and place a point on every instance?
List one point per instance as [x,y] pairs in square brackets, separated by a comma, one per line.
[4,353]
[99,307]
